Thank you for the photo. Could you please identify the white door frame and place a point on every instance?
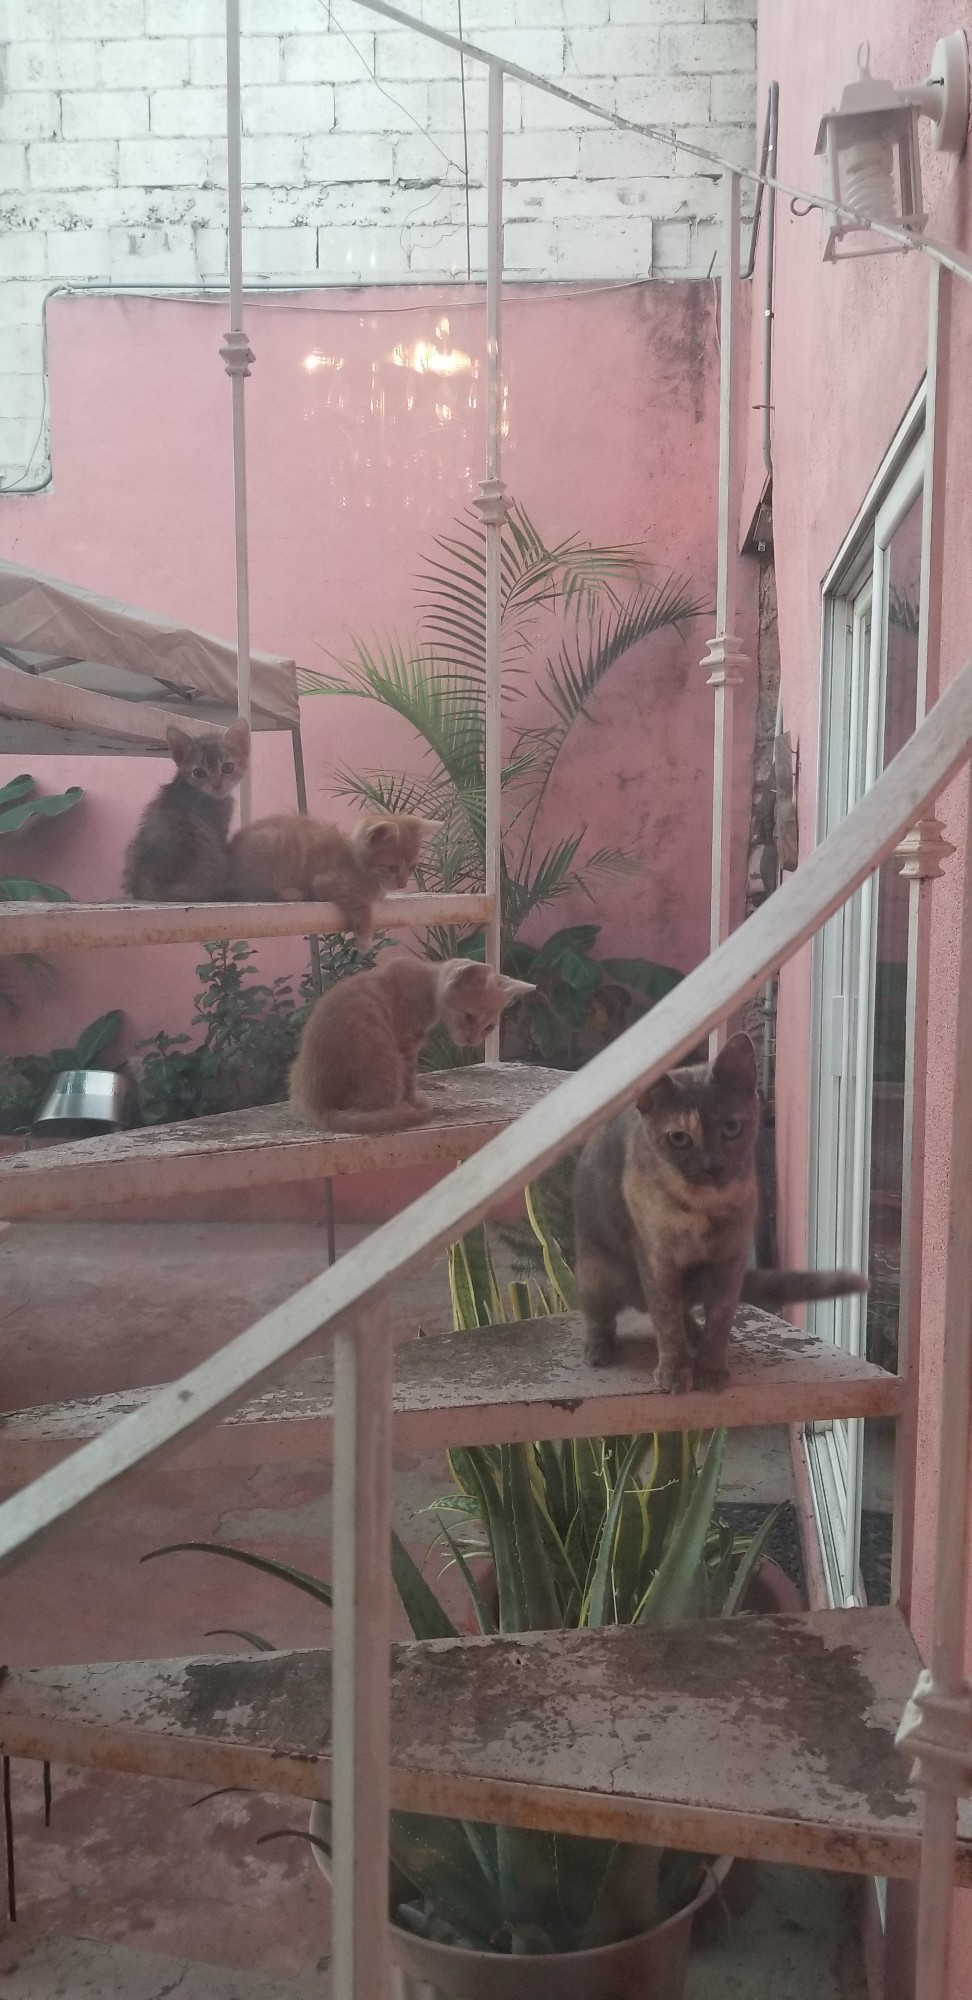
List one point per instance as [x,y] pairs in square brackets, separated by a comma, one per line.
[855,621]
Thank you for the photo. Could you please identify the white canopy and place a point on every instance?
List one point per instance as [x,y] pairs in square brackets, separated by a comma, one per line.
[72,635]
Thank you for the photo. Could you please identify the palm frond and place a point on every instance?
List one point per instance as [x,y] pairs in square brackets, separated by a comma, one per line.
[586,659]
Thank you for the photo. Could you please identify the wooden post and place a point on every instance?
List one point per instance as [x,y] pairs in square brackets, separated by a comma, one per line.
[724,657]
[361,1747]
[238,357]
[493,507]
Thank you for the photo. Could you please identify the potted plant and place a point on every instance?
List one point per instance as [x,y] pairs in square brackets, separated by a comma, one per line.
[581,1533]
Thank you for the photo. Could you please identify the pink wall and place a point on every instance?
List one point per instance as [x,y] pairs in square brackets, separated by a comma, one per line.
[849,354]
[355,463]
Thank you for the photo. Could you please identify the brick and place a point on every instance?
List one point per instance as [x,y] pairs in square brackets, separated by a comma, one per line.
[288,107]
[445,105]
[23,254]
[356,156]
[276,162]
[730,142]
[79,253]
[290,17]
[104,114]
[729,10]
[706,249]
[612,51]
[189,113]
[30,114]
[479,17]
[279,253]
[17,440]
[185,17]
[52,66]
[22,395]
[327,58]
[714,49]
[104,20]
[78,164]
[21,301]
[159,256]
[20,351]
[568,13]
[209,251]
[429,256]
[361,254]
[610,155]
[362,107]
[634,13]
[159,64]
[606,249]
[259,60]
[530,246]
[538,49]
[733,99]
[671,244]
[151,163]
[532,154]
[666,101]
[551,114]
[28,20]
[403,56]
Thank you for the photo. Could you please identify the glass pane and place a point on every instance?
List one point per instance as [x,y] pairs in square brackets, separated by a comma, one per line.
[887,1081]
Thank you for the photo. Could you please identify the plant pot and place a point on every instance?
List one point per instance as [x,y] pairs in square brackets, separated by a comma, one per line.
[771,1590]
[649,1967]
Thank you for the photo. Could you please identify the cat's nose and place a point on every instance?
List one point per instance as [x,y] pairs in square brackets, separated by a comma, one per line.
[710,1163]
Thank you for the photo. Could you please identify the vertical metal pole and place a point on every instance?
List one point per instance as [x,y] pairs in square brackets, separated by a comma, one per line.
[238,357]
[316,978]
[361,1705]
[493,508]
[922,853]
[938,1724]
[724,656]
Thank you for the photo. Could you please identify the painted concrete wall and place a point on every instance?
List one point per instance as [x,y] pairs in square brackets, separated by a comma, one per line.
[113,156]
[849,355]
[355,463]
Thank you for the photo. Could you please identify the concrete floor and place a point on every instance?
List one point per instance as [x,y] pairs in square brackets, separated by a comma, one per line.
[90,1307]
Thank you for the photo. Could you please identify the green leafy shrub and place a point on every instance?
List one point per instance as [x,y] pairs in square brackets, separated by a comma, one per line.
[25,1080]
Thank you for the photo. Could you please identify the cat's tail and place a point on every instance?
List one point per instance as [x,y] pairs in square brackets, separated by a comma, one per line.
[777,1288]
[394,1118]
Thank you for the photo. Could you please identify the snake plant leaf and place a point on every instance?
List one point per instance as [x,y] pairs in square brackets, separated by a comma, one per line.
[755,1551]
[484,1618]
[312,1586]
[599,1609]
[673,1591]
[425,1614]
[627,1899]
[452,1871]
[542,1611]
[477,1474]
[554,1262]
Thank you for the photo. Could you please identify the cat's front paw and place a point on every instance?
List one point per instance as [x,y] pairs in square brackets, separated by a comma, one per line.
[420,1102]
[711,1375]
[598,1350]
[674,1378]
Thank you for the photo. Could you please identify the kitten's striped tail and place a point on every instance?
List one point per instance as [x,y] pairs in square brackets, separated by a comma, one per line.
[777,1288]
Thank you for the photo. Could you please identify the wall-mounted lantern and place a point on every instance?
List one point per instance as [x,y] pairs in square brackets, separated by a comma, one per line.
[869,147]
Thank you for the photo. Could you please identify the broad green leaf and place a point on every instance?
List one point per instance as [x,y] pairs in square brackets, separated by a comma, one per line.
[49,806]
[642,976]
[17,889]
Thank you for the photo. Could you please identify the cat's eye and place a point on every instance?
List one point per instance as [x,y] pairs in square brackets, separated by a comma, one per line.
[679,1138]
[199,771]
[732,1128]
[228,770]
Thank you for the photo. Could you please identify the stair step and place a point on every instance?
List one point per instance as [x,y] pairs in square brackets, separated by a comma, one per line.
[53,927]
[767,1737]
[236,1149]
[498,1385]
[40,1964]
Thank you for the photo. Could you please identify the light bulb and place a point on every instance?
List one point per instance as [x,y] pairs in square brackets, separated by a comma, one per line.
[868,179]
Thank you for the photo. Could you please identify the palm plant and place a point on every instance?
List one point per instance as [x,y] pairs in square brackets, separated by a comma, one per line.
[20,802]
[589,1532]
[569,613]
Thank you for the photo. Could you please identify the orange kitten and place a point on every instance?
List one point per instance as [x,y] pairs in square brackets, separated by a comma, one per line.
[178,854]
[293,859]
[355,1070]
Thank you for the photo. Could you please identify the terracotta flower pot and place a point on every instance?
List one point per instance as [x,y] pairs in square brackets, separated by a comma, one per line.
[649,1967]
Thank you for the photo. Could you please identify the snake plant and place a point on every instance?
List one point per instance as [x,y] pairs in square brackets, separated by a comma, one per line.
[588,1532]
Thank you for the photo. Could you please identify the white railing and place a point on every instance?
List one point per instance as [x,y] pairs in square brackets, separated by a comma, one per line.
[346,1300]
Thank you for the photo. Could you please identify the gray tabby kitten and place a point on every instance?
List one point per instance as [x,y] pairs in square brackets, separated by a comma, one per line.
[665,1205]
[180,852]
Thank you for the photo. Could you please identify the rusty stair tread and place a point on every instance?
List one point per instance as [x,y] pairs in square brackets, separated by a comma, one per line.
[497,1385]
[53,927]
[770,1737]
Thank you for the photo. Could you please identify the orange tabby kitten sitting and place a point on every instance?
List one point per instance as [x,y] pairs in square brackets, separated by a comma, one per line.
[355,1070]
[294,859]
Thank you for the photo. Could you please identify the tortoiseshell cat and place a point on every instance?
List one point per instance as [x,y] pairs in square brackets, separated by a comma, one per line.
[665,1206]
[179,854]
[355,1069]
[292,859]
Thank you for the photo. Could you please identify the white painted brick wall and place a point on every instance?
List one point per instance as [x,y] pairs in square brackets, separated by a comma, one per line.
[113,152]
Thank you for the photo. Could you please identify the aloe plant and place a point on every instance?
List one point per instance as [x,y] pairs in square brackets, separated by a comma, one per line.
[590,1532]
[570,613]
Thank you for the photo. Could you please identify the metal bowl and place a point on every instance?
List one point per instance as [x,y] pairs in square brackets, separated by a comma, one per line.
[82,1103]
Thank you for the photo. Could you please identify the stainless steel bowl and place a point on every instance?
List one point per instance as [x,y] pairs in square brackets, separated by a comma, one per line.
[84,1102]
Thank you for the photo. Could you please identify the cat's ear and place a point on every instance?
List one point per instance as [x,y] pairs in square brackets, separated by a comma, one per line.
[238,736]
[375,836]
[452,969]
[178,740]
[734,1067]
[658,1095]
[512,989]
[427,825]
